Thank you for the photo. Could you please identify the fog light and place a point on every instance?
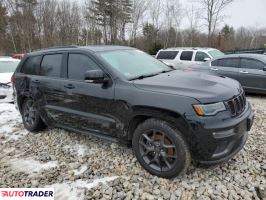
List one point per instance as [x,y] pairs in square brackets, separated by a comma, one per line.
[223,134]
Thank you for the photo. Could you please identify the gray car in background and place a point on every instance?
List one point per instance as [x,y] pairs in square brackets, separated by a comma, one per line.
[248,69]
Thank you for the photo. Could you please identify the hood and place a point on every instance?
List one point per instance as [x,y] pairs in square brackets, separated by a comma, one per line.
[205,88]
[5,77]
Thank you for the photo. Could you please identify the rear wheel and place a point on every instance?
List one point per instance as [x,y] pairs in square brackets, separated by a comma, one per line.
[161,149]
[30,116]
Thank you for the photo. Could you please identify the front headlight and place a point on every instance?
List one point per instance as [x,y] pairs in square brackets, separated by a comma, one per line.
[209,109]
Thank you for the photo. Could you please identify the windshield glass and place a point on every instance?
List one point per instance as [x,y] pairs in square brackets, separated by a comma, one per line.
[134,63]
[216,53]
[8,66]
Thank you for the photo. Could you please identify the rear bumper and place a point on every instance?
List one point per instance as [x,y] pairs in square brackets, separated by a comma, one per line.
[220,144]
[6,95]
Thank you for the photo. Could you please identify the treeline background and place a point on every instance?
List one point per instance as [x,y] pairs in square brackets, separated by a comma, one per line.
[146,24]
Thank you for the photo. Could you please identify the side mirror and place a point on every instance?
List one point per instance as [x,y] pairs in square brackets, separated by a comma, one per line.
[206,59]
[95,76]
[264,68]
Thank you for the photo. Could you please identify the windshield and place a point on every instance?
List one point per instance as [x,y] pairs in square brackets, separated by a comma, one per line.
[8,66]
[216,53]
[134,63]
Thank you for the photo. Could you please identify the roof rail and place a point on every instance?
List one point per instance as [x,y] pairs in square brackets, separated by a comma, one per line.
[57,47]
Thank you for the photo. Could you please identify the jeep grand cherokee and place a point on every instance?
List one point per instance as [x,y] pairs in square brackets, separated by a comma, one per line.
[123,94]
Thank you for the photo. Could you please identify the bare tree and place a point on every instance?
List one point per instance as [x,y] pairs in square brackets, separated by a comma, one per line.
[213,14]
[139,8]
[193,22]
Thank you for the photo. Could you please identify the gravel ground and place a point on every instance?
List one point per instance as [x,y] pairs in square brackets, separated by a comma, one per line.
[84,167]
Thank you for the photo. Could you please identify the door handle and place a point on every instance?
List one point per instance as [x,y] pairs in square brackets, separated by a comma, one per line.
[36,81]
[69,86]
[214,69]
[244,72]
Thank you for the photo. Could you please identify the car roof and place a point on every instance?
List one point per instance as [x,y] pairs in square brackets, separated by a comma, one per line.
[188,48]
[260,57]
[6,58]
[92,48]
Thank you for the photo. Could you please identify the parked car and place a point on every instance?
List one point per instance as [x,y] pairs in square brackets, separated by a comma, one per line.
[18,55]
[181,58]
[248,69]
[123,94]
[7,67]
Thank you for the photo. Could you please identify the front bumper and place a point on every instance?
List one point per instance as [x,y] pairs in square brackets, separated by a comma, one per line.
[223,140]
[6,95]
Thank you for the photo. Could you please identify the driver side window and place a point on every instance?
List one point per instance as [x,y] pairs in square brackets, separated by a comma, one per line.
[78,64]
[200,56]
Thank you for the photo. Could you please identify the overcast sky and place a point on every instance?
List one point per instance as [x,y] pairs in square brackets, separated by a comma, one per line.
[247,13]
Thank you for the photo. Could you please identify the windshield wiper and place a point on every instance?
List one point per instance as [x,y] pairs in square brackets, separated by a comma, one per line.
[143,76]
[150,75]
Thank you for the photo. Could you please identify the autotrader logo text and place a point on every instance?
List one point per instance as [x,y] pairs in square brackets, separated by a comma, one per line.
[27,193]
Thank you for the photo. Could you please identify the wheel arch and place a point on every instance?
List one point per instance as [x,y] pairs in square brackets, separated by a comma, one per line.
[142,113]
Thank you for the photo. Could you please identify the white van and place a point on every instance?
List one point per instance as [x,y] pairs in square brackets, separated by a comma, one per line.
[183,57]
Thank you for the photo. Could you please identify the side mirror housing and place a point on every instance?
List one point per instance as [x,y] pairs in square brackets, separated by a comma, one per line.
[206,59]
[95,76]
[264,68]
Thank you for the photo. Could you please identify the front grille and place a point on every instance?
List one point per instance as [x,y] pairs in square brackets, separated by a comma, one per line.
[237,104]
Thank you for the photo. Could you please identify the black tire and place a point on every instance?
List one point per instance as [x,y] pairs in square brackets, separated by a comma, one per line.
[167,156]
[30,116]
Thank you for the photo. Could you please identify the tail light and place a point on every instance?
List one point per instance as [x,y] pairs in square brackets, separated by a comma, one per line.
[12,79]
[189,69]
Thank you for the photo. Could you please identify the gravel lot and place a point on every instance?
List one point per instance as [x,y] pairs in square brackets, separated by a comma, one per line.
[83,167]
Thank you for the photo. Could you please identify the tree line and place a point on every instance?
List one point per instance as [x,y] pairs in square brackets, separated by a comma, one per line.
[149,25]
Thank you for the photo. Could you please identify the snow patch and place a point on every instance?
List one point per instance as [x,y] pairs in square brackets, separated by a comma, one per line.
[30,165]
[10,119]
[81,170]
[85,184]
[78,149]
[74,190]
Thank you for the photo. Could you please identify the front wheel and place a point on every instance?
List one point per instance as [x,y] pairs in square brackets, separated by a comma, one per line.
[30,116]
[161,149]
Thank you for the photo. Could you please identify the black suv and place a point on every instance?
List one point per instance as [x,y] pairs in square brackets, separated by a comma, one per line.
[123,94]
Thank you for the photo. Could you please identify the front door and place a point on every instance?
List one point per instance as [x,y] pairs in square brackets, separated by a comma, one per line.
[252,76]
[89,106]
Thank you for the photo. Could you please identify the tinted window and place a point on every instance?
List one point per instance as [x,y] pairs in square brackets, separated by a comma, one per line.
[186,55]
[252,64]
[32,65]
[51,65]
[229,62]
[169,55]
[200,56]
[78,64]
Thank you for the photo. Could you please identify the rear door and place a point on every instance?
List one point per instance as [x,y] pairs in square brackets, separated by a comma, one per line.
[51,87]
[186,59]
[228,67]
[89,106]
[252,76]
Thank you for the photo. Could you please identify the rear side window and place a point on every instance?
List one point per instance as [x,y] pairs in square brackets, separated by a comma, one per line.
[200,56]
[78,64]
[51,65]
[168,55]
[32,65]
[186,55]
[252,64]
[229,62]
